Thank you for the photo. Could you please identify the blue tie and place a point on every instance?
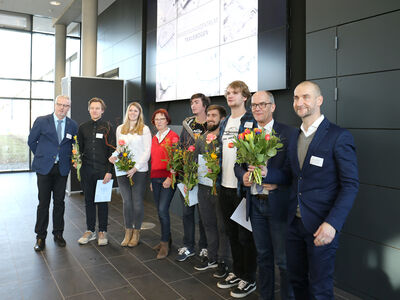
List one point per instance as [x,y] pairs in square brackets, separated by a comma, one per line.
[59,131]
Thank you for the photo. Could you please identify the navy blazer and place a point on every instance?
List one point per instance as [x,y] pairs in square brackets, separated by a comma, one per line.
[278,199]
[43,142]
[324,193]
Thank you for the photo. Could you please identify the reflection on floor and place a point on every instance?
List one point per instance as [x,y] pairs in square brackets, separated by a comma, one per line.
[92,272]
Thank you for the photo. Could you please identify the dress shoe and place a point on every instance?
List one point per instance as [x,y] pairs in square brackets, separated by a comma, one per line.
[59,240]
[40,244]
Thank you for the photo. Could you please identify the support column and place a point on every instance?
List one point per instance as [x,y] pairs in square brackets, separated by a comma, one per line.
[89,37]
[59,69]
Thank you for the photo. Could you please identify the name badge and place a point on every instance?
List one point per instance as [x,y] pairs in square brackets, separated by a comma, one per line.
[248,125]
[68,136]
[99,135]
[316,161]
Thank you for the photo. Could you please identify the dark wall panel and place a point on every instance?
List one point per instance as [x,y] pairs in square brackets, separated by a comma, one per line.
[369,268]
[375,96]
[371,218]
[378,156]
[272,56]
[321,54]
[328,107]
[369,45]
[327,13]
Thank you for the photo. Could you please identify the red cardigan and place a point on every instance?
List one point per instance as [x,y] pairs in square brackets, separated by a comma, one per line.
[158,152]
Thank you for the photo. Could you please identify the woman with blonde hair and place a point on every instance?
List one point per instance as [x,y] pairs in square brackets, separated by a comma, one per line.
[137,138]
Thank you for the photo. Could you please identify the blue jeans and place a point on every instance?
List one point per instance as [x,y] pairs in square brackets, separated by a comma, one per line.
[163,198]
[269,235]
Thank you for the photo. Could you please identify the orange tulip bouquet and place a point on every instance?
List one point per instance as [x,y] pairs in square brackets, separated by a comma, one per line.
[174,161]
[211,156]
[255,147]
[189,171]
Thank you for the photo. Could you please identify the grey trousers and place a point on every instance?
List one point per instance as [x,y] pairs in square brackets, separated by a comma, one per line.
[132,197]
[218,242]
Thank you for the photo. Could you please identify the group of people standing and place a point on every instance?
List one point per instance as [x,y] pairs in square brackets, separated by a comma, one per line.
[296,215]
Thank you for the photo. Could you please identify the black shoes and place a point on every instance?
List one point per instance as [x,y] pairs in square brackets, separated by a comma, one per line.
[40,244]
[59,240]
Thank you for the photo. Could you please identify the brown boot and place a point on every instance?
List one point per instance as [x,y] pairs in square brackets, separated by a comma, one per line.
[157,247]
[127,238]
[135,238]
[163,253]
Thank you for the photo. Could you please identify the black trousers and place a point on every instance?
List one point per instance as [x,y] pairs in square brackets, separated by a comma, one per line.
[89,178]
[243,249]
[52,182]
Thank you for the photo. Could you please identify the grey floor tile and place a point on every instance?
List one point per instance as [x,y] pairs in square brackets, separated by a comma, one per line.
[73,281]
[124,293]
[94,295]
[33,268]
[112,249]
[60,259]
[105,277]
[44,289]
[10,292]
[167,270]
[129,266]
[194,289]
[143,252]
[207,278]
[88,256]
[152,288]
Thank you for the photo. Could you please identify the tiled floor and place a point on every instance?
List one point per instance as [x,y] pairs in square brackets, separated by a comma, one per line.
[91,272]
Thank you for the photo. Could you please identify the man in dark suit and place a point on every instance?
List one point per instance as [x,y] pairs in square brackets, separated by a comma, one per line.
[50,140]
[322,165]
[267,206]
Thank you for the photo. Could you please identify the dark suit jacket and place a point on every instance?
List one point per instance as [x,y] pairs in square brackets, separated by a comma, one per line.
[43,142]
[324,193]
[277,199]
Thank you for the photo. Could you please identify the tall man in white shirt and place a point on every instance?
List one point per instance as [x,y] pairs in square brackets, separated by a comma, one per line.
[243,277]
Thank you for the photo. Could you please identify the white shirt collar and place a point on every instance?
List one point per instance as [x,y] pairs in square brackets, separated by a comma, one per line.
[161,137]
[314,126]
[268,127]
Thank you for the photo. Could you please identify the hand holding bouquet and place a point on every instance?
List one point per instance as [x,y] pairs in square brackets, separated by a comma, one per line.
[212,162]
[125,159]
[189,170]
[76,157]
[255,147]
[174,154]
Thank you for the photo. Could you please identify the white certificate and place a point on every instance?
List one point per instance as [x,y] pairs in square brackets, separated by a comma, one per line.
[202,172]
[239,215]
[103,191]
[192,194]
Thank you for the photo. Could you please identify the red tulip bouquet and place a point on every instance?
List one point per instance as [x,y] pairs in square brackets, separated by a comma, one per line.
[174,161]
[255,147]
[189,171]
[212,162]
[125,159]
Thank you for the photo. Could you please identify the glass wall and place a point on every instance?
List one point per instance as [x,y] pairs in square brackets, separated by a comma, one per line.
[27,57]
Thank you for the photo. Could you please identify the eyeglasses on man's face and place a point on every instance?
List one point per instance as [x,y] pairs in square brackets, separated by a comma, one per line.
[62,105]
[261,105]
[159,119]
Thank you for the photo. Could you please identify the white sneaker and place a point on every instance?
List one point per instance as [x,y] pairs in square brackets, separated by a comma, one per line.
[102,241]
[87,237]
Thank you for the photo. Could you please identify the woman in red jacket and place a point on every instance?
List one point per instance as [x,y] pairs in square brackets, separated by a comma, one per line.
[161,177]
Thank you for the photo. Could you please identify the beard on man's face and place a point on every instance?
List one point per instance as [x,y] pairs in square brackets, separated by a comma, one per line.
[212,126]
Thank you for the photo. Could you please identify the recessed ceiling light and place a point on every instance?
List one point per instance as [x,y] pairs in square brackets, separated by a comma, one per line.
[55,3]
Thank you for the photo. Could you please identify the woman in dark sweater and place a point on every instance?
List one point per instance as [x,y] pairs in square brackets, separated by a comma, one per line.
[161,177]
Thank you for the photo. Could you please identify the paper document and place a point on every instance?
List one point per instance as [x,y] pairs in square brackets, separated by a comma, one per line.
[103,191]
[118,172]
[202,172]
[239,215]
[192,194]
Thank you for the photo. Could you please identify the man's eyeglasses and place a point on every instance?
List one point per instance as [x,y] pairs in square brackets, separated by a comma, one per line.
[261,105]
[63,105]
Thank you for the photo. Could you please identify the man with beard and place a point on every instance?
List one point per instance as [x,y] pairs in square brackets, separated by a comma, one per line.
[217,240]
[322,165]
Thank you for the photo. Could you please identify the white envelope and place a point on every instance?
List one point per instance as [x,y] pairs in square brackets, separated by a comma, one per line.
[239,215]
[192,194]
